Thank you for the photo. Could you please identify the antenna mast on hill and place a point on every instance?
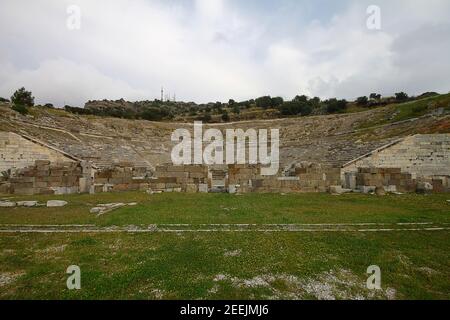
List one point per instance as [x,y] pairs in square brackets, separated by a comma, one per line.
[162,94]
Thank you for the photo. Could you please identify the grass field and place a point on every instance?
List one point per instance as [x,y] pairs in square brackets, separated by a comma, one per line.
[220,246]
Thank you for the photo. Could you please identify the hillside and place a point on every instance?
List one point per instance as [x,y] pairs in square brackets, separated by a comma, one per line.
[328,139]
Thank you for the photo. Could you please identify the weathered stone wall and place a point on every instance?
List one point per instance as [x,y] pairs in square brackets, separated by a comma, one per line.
[394,180]
[241,179]
[45,177]
[423,156]
[311,178]
[122,177]
[17,152]
[190,179]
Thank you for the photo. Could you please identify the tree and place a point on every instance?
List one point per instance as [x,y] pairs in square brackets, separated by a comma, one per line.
[231,102]
[401,96]
[153,114]
[206,117]
[23,98]
[20,109]
[225,117]
[292,108]
[3,100]
[334,105]
[301,98]
[276,102]
[375,96]
[236,109]
[264,102]
[315,102]
[362,101]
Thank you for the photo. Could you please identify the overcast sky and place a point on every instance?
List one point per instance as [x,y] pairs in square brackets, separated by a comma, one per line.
[214,50]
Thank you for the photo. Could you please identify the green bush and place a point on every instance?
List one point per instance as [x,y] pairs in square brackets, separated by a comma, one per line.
[362,101]
[23,98]
[225,117]
[20,109]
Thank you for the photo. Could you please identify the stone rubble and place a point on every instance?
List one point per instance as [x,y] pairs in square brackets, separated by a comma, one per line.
[7,204]
[101,209]
[29,204]
[56,203]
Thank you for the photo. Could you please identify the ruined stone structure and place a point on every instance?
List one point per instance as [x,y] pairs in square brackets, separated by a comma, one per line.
[242,179]
[45,177]
[122,177]
[316,154]
[403,164]
[17,152]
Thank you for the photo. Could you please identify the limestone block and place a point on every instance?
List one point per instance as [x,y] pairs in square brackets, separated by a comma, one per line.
[203,188]
[24,191]
[107,187]
[5,188]
[175,168]
[195,169]
[27,203]
[84,185]
[7,204]
[367,189]
[56,203]
[391,188]
[196,175]
[191,188]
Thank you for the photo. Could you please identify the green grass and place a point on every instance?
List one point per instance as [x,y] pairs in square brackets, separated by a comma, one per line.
[409,110]
[254,265]
[225,208]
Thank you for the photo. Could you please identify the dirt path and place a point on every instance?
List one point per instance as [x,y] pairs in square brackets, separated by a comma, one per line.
[202,228]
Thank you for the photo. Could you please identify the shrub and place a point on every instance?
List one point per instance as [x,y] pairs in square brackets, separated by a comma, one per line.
[401,97]
[264,102]
[276,102]
[22,97]
[205,118]
[225,117]
[20,109]
[362,101]
[293,108]
[375,96]
[334,105]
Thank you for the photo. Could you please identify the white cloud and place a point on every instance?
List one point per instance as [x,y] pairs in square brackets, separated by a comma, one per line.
[208,50]
[60,79]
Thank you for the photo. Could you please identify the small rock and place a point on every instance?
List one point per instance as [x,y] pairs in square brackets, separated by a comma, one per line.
[336,190]
[56,203]
[7,204]
[27,203]
[132,204]
[379,191]
[424,187]
[96,210]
